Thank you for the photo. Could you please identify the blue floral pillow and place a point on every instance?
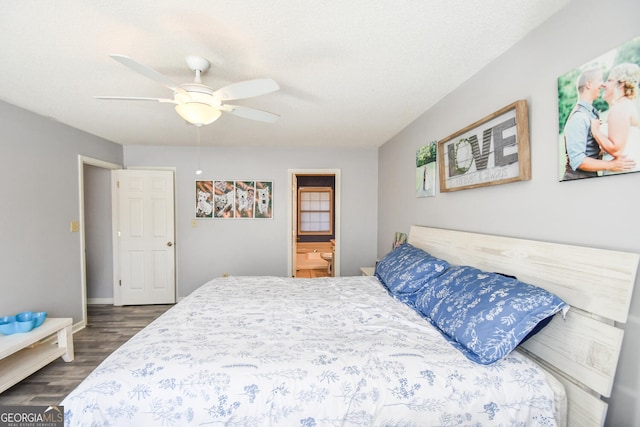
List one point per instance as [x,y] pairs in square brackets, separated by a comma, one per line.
[406,269]
[485,315]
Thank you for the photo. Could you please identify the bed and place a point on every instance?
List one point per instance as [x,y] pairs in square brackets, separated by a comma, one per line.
[267,351]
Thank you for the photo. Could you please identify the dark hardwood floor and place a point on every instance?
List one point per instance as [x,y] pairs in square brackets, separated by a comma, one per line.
[108,327]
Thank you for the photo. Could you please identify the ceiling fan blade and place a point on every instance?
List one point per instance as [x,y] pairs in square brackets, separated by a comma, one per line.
[246,89]
[135,98]
[149,73]
[250,113]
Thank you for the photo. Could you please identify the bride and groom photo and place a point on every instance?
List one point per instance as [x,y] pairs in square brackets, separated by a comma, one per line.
[599,115]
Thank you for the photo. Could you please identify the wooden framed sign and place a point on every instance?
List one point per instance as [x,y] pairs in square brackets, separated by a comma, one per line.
[491,151]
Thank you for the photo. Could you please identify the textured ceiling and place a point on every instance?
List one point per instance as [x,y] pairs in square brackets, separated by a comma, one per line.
[351,73]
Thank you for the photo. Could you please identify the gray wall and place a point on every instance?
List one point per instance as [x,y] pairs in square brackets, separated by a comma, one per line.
[40,267]
[98,234]
[39,192]
[601,212]
[259,247]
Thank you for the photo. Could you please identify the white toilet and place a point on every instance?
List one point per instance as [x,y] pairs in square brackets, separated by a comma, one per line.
[328,256]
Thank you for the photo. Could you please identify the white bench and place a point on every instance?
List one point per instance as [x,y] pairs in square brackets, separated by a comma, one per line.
[22,354]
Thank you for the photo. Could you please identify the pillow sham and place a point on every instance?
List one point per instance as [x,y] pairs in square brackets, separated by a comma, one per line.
[486,315]
[406,269]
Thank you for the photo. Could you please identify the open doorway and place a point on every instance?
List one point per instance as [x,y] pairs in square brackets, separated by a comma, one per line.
[314,223]
[94,177]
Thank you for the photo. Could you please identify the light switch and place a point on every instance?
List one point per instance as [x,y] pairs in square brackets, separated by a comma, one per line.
[74,226]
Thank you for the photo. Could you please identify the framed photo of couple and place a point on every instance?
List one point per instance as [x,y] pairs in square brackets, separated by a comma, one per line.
[599,115]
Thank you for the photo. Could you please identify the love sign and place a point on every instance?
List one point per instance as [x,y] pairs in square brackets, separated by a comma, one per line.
[494,150]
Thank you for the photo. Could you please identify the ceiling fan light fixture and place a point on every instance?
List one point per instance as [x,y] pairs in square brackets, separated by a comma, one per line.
[198,103]
[198,113]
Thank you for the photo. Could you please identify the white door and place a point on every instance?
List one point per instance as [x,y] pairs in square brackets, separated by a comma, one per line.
[144,237]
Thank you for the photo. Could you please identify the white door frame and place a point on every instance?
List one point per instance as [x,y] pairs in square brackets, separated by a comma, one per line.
[292,216]
[83,160]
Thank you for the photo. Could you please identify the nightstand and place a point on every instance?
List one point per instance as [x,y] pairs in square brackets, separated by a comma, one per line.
[367,271]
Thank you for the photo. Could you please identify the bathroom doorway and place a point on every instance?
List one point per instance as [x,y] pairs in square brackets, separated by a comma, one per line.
[314,223]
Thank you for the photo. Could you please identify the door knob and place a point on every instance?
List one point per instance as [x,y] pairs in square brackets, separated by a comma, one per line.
[169,244]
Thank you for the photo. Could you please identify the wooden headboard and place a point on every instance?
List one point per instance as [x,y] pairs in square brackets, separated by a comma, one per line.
[582,350]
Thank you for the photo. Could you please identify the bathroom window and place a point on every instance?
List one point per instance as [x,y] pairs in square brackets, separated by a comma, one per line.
[315,210]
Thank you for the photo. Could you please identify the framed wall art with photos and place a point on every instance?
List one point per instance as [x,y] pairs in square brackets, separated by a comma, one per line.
[223,199]
[426,170]
[204,199]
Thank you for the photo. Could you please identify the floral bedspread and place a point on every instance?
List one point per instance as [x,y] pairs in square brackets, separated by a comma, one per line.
[269,351]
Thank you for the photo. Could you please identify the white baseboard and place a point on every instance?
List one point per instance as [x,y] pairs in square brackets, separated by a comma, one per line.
[96,301]
[99,301]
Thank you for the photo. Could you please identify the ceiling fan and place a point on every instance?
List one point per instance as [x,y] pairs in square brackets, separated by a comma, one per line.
[198,103]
